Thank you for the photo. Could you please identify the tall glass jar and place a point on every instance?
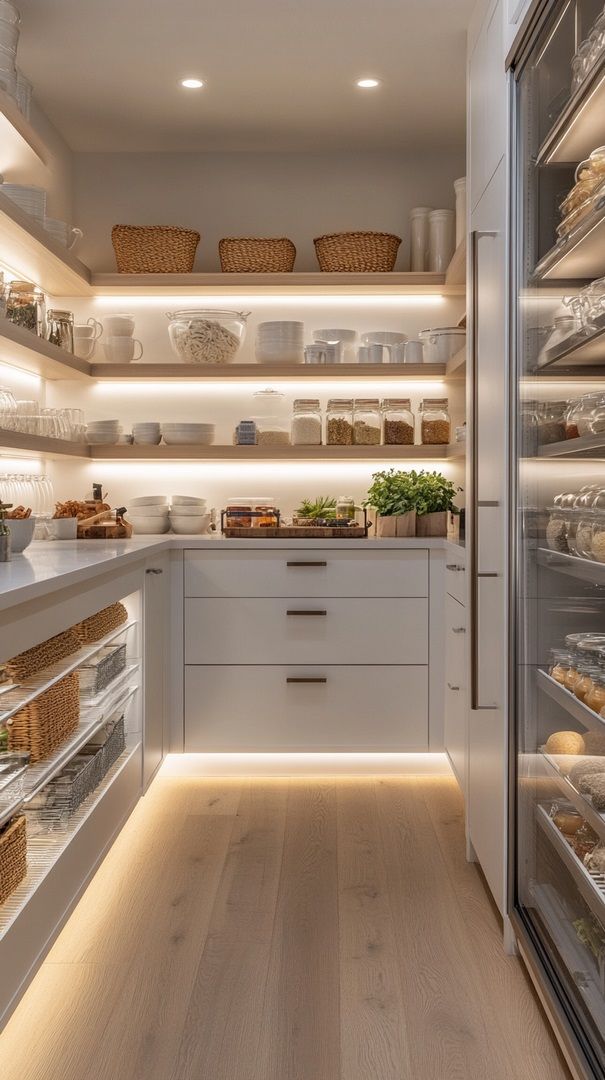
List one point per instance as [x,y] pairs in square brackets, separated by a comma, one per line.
[595,698]
[26,307]
[397,422]
[435,423]
[339,422]
[552,422]
[60,329]
[306,422]
[271,418]
[366,422]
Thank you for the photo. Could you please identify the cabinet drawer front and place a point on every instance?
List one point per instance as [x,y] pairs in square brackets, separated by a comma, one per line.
[306,572]
[455,578]
[251,631]
[257,709]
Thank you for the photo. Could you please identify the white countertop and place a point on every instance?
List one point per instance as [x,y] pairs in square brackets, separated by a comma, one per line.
[49,566]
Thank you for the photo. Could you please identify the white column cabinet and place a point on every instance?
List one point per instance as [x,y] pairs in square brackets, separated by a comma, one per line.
[156,622]
[486,102]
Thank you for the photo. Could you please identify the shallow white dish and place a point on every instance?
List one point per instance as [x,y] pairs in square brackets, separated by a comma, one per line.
[22,532]
[149,500]
[190,525]
[188,438]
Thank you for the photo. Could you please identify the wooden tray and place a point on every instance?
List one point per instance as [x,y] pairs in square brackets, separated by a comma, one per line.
[296,532]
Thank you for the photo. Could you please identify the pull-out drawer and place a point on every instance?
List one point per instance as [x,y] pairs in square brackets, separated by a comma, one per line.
[261,709]
[301,631]
[455,577]
[455,719]
[306,572]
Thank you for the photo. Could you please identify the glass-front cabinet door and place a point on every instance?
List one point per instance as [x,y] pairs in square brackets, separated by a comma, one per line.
[558,419]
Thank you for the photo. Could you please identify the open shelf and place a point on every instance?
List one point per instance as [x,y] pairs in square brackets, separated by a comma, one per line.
[582,803]
[41,444]
[33,254]
[22,150]
[579,256]
[303,283]
[581,125]
[268,453]
[590,884]
[267,371]
[568,701]
[589,446]
[583,569]
[456,271]
[26,350]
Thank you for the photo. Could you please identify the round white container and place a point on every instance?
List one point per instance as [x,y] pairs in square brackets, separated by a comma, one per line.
[442,240]
[460,190]
[419,238]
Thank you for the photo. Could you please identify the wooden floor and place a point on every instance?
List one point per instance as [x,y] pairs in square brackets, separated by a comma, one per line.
[284,930]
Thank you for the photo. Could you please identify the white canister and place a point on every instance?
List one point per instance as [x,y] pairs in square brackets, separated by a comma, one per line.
[442,240]
[419,238]
[460,190]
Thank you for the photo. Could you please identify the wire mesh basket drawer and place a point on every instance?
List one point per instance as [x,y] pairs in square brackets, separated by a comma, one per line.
[102,669]
[13,856]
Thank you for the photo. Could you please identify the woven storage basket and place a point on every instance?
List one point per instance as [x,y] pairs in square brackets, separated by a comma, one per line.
[256,255]
[357,252]
[46,722]
[40,656]
[13,857]
[96,626]
[154,249]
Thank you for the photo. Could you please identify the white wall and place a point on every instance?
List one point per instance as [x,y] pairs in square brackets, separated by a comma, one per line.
[296,195]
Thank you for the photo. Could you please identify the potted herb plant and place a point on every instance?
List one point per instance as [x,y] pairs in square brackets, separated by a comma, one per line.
[434,502]
[391,497]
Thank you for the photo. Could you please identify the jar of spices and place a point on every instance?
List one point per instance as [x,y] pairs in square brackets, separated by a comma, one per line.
[366,422]
[339,422]
[26,307]
[595,698]
[345,508]
[306,422]
[585,683]
[397,422]
[60,329]
[552,422]
[435,423]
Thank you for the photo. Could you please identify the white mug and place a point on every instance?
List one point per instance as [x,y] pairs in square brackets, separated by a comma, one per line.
[121,349]
[373,354]
[119,326]
[90,329]
[413,352]
[84,347]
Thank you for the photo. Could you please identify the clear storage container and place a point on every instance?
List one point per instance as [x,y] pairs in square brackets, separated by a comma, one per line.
[271,418]
[306,427]
[397,422]
[345,508]
[26,307]
[435,423]
[552,422]
[60,329]
[366,422]
[339,422]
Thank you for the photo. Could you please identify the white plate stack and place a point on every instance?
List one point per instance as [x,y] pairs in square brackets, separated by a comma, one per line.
[103,432]
[188,434]
[147,433]
[9,38]
[149,515]
[188,515]
[32,200]
[280,342]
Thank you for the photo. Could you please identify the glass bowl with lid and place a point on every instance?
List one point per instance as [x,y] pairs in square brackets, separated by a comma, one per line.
[206,335]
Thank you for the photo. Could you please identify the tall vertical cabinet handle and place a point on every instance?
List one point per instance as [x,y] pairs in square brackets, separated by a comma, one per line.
[476,236]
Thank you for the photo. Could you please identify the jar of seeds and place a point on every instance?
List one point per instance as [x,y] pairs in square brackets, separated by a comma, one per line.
[397,422]
[435,423]
[306,422]
[366,422]
[26,307]
[339,422]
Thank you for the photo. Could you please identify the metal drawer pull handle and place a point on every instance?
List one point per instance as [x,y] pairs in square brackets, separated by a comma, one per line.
[308,679]
[154,571]
[294,611]
[450,687]
[454,566]
[459,629]
[306,564]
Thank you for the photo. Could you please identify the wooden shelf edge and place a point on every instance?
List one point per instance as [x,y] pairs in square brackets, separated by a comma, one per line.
[14,118]
[33,253]
[261,453]
[31,353]
[457,365]
[312,282]
[311,372]
[40,444]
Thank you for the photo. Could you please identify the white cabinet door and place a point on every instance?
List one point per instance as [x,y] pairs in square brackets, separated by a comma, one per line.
[156,618]
[456,720]
[487,102]
[516,10]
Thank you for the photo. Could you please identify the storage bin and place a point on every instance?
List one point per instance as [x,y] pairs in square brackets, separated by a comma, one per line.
[256,255]
[154,249]
[99,672]
[357,252]
[46,722]
[41,656]
[96,626]
[13,856]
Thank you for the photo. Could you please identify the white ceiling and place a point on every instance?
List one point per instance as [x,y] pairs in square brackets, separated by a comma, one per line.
[280,72]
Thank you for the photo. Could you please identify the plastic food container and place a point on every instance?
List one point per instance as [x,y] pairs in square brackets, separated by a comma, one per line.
[206,335]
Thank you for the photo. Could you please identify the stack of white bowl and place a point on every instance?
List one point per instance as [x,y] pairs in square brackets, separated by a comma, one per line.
[9,38]
[183,433]
[103,432]
[32,200]
[280,342]
[188,515]
[149,514]
[147,433]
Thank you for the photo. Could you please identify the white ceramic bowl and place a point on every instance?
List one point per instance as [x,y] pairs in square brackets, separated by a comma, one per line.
[148,511]
[190,525]
[102,439]
[187,500]
[187,511]
[186,438]
[64,528]
[150,526]
[335,333]
[146,440]
[383,337]
[103,423]
[149,500]
[22,532]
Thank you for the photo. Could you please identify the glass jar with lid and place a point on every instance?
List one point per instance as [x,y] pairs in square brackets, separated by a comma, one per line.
[26,307]
[583,686]
[345,508]
[528,421]
[558,523]
[271,418]
[306,422]
[582,412]
[60,328]
[435,423]
[595,698]
[552,422]
[366,422]
[397,422]
[339,422]
[559,665]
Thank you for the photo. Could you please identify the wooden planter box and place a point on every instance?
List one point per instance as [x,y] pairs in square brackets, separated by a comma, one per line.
[432,524]
[398,525]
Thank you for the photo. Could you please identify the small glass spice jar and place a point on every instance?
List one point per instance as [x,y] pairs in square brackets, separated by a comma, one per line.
[397,422]
[435,423]
[339,422]
[366,422]
[345,508]
[306,422]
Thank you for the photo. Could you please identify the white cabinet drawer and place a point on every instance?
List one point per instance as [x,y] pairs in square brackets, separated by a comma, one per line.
[260,631]
[455,578]
[455,718]
[256,709]
[305,572]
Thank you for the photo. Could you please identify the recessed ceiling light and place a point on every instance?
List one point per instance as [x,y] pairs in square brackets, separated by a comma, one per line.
[192,84]
[367,84]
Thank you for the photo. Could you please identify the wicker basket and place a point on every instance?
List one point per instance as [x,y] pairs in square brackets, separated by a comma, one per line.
[33,660]
[96,626]
[256,255]
[48,720]
[357,252]
[13,857]
[154,249]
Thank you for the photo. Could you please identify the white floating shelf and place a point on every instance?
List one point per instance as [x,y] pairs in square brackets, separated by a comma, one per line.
[40,444]
[313,283]
[22,152]
[308,372]
[31,353]
[271,453]
[32,253]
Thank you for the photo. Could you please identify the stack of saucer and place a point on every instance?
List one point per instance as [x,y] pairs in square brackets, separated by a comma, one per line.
[103,432]
[147,433]
[280,342]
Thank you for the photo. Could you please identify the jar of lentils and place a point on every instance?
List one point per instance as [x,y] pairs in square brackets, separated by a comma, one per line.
[435,423]
[339,422]
[397,422]
[366,422]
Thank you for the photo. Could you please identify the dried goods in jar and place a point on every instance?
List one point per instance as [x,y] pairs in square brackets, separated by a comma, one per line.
[366,434]
[340,432]
[398,433]
[435,432]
